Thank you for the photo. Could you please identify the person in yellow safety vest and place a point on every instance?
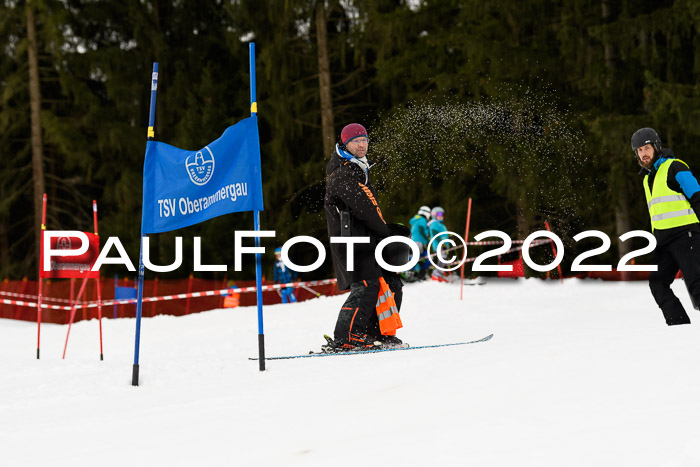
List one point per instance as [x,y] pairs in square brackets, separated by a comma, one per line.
[673,198]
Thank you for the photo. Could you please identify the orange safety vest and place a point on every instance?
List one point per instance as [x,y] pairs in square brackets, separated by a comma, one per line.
[387,312]
[233,300]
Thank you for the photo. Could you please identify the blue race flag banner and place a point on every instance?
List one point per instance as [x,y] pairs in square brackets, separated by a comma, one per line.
[183,188]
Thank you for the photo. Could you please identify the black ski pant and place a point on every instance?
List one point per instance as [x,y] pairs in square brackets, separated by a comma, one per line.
[682,253]
[358,315]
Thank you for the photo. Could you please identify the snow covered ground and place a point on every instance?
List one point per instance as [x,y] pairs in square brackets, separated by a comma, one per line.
[580,374]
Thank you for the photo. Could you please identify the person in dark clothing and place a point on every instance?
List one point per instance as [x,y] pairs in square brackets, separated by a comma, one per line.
[673,198]
[352,210]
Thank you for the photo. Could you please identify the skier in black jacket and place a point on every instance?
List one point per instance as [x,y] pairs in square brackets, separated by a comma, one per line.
[673,199]
[352,210]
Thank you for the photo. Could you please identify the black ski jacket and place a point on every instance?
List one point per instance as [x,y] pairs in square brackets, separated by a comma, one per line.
[348,189]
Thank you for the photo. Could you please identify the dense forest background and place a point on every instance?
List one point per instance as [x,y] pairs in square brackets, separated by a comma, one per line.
[527,107]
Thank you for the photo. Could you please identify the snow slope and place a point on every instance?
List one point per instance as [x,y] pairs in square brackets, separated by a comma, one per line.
[584,373]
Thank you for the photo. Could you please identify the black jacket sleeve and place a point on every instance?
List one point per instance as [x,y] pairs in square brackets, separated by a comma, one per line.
[360,199]
[675,169]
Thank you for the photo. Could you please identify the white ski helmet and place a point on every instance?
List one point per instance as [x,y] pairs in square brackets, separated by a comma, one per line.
[436,211]
[424,211]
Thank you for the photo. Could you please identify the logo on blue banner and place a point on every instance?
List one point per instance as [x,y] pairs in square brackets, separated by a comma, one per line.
[201,167]
[174,198]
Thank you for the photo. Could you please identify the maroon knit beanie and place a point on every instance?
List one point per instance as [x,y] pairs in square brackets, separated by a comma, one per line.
[351,132]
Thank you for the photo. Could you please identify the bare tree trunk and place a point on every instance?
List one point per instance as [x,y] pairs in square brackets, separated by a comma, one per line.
[324,78]
[609,50]
[643,45]
[622,211]
[36,140]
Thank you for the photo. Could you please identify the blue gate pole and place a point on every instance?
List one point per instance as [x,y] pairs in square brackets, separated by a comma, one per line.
[139,296]
[256,223]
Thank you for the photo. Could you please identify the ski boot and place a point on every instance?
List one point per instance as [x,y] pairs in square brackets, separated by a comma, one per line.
[364,342]
[392,342]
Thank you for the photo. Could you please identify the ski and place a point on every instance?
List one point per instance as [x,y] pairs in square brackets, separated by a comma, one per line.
[358,352]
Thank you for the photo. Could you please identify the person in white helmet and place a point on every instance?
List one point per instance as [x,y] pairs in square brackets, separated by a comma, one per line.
[420,233]
[437,227]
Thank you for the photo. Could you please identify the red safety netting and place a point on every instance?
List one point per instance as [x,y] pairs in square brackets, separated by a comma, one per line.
[57,292]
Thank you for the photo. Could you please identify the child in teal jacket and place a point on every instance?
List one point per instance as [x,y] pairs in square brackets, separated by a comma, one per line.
[420,233]
[437,227]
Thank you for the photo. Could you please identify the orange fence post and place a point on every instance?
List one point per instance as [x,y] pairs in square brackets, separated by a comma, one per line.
[466,239]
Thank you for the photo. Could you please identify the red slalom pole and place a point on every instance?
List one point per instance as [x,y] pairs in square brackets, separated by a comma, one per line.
[99,314]
[99,285]
[466,239]
[41,280]
[554,250]
[72,314]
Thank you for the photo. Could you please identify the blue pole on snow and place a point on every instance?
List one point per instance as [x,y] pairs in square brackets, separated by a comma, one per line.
[139,294]
[256,223]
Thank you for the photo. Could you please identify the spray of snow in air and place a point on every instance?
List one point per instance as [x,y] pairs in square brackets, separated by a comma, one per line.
[524,147]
